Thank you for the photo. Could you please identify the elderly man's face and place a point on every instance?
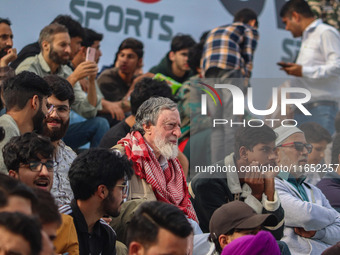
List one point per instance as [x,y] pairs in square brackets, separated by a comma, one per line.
[164,135]
[289,155]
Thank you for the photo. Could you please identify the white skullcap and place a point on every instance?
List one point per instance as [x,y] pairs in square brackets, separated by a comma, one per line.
[284,132]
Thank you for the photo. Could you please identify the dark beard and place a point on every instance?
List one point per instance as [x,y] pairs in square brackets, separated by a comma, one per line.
[55,134]
[38,121]
[107,202]
[53,55]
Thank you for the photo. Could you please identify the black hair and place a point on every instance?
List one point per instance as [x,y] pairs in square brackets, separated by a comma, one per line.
[250,136]
[133,44]
[90,37]
[95,167]
[181,42]
[61,88]
[299,6]
[150,217]
[6,21]
[335,149]
[21,149]
[147,88]
[12,187]
[25,226]
[245,15]
[195,55]
[315,133]
[19,89]
[47,209]
[74,28]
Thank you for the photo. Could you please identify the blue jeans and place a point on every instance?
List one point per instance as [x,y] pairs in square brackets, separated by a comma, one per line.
[91,130]
[323,115]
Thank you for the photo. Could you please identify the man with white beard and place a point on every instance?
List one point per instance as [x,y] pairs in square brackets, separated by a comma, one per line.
[152,145]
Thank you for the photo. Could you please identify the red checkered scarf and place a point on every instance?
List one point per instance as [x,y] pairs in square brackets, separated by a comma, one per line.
[169,185]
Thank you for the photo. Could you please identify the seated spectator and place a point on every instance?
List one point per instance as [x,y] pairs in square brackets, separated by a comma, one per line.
[16,196]
[7,52]
[175,63]
[98,179]
[152,146]
[25,98]
[116,83]
[55,53]
[28,158]
[56,124]
[242,220]
[262,243]
[319,138]
[19,234]
[311,224]
[159,228]
[144,89]
[75,31]
[330,183]
[254,147]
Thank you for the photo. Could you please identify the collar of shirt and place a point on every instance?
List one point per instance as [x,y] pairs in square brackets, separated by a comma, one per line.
[311,27]
[46,68]
[296,183]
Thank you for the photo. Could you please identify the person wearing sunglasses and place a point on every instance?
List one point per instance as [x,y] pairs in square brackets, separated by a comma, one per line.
[311,224]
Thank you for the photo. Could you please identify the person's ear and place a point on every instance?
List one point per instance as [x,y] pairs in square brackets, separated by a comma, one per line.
[172,56]
[136,248]
[223,240]
[45,46]
[147,128]
[102,191]
[252,22]
[35,102]
[296,16]
[140,63]
[13,174]
[243,151]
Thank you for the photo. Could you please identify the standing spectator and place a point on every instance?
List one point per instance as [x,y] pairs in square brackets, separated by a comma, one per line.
[317,67]
[227,58]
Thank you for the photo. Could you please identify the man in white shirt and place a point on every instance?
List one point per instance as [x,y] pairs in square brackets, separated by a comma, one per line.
[317,67]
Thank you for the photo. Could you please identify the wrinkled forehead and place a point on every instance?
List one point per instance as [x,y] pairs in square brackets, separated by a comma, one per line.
[168,115]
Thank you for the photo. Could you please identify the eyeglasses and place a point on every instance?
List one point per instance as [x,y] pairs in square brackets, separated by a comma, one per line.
[299,146]
[125,187]
[36,166]
[62,110]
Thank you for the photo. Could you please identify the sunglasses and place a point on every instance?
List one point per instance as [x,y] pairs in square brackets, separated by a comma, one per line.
[299,146]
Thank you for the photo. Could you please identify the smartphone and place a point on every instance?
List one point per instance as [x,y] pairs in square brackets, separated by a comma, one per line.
[283,64]
[90,54]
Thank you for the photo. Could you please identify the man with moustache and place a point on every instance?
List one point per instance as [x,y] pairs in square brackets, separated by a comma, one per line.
[55,127]
[99,180]
[311,224]
[55,53]
[153,147]
[25,97]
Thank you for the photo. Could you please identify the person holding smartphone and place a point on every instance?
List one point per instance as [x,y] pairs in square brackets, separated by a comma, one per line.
[317,67]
